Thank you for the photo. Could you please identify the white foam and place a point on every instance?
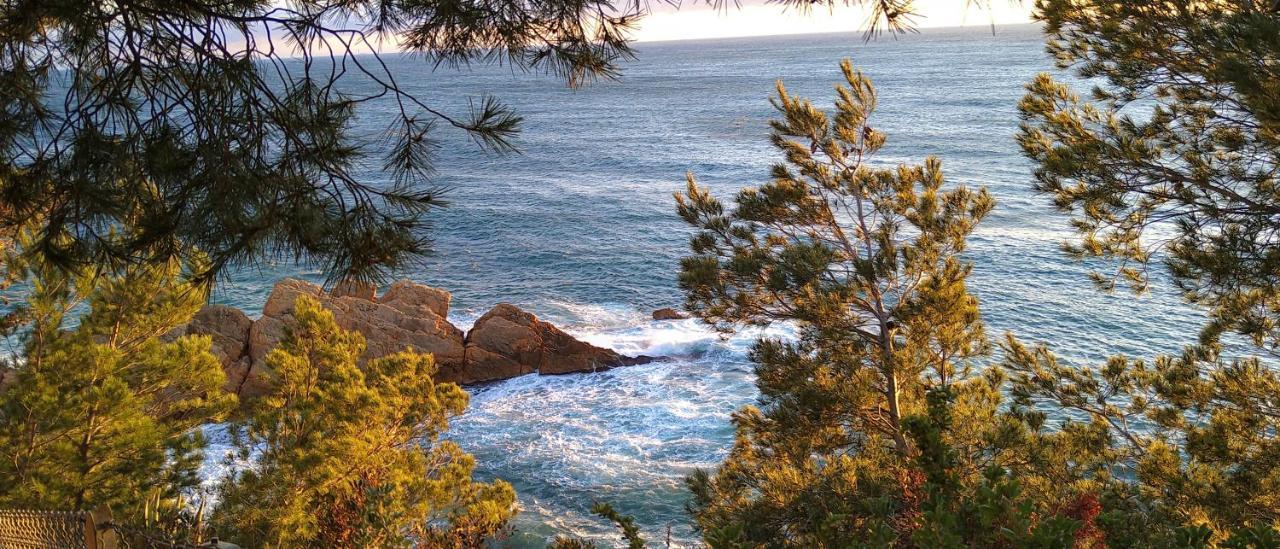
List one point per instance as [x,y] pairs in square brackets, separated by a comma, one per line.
[631,332]
[627,435]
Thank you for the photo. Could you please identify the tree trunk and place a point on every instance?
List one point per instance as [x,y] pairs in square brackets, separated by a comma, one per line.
[891,390]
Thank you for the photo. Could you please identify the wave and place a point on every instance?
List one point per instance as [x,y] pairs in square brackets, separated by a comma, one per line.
[627,435]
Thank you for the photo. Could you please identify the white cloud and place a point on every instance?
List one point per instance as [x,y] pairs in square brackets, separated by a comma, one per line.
[692,22]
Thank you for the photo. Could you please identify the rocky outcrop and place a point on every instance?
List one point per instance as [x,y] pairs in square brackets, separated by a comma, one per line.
[228,328]
[277,313]
[404,318]
[410,298]
[668,313]
[506,342]
[352,288]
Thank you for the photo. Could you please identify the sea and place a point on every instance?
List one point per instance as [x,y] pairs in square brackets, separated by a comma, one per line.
[580,228]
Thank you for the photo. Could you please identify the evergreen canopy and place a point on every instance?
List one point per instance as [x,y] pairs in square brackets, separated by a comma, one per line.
[109,413]
[1175,158]
[866,262]
[1177,155]
[139,131]
[350,456]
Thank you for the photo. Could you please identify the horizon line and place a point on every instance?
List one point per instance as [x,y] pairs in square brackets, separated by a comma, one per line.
[888,35]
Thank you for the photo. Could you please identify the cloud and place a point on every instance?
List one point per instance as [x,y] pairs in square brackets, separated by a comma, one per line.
[757,19]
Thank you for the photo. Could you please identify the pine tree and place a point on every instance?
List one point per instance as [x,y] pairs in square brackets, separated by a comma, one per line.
[224,128]
[1173,160]
[990,513]
[351,457]
[107,413]
[865,262]
[1183,441]
[626,525]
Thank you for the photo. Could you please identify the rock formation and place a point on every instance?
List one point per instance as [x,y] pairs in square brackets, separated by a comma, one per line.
[668,313]
[403,318]
[351,288]
[229,328]
[506,342]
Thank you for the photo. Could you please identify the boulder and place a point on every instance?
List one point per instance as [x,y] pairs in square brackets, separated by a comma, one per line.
[354,288]
[411,316]
[504,343]
[508,340]
[266,333]
[285,292]
[269,330]
[508,331]
[228,329]
[481,365]
[668,313]
[410,297]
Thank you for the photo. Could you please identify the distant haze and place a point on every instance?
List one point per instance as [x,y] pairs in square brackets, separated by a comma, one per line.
[698,20]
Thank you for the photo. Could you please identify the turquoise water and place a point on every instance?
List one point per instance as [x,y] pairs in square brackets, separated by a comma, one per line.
[580,229]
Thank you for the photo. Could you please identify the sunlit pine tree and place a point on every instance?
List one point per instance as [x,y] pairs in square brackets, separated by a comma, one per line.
[865,261]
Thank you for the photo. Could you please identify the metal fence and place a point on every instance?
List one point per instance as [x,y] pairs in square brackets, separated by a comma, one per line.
[22,529]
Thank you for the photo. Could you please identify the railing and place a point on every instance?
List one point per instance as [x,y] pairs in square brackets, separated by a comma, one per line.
[22,529]
[26,529]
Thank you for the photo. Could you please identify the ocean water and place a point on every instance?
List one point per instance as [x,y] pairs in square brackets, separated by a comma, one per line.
[580,228]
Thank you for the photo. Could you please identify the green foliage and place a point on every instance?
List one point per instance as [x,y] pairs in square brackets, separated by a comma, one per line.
[866,262]
[152,130]
[630,532]
[1197,537]
[872,430]
[1191,436]
[1177,151]
[346,456]
[1173,159]
[992,513]
[107,413]
[562,542]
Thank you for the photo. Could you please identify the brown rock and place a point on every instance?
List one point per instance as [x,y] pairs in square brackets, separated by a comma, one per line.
[668,314]
[508,339]
[405,318]
[408,296]
[353,288]
[228,328]
[285,292]
[506,342]
[508,331]
[482,365]
[264,335]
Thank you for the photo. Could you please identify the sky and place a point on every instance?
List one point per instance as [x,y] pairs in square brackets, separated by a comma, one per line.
[699,21]
[696,20]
